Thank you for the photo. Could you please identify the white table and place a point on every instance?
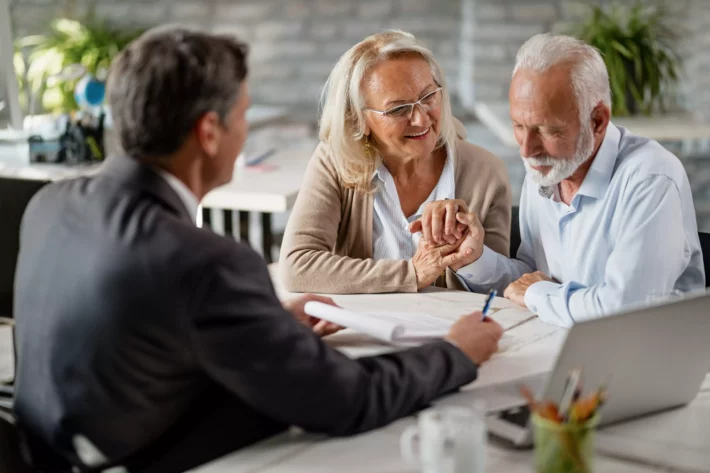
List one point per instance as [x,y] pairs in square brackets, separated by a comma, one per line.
[671,127]
[378,451]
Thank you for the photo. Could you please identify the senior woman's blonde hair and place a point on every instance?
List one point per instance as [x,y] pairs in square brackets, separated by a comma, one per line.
[342,123]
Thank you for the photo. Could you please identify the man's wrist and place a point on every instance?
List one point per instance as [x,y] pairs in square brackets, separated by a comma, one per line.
[458,265]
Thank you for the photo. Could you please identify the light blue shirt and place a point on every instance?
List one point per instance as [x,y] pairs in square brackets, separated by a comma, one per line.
[391,238]
[629,232]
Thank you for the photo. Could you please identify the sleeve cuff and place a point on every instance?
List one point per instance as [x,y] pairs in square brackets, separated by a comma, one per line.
[537,293]
[471,368]
[482,267]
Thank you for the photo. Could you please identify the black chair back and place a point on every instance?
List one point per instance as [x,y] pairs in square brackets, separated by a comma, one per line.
[515,232]
[15,194]
[11,459]
[705,247]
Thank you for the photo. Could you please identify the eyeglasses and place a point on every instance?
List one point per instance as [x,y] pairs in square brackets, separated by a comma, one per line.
[404,112]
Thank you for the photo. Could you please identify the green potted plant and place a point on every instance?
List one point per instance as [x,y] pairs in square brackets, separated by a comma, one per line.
[638,46]
[49,66]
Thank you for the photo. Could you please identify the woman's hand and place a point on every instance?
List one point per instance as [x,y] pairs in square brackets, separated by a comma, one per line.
[471,248]
[430,260]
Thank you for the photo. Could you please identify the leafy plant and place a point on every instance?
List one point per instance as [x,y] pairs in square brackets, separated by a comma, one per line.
[638,46]
[48,66]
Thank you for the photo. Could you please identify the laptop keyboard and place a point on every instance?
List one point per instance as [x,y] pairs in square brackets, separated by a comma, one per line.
[516,415]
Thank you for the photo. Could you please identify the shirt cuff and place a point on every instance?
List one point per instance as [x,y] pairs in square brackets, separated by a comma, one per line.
[454,344]
[483,266]
[462,281]
[537,293]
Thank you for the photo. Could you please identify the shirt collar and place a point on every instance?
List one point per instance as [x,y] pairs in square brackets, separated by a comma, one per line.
[599,175]
[184,193]
[380,170]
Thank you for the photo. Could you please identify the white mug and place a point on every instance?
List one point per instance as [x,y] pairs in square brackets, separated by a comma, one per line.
[451,440]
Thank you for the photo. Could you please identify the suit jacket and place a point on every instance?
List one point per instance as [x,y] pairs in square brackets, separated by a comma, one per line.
[127,313]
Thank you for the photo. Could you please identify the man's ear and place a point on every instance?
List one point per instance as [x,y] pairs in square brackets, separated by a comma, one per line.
[208,131]
[601,115]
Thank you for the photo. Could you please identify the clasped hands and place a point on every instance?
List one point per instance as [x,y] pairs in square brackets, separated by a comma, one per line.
[452,237]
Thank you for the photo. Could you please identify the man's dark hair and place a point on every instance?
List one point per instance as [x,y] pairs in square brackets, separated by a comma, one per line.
[162,83]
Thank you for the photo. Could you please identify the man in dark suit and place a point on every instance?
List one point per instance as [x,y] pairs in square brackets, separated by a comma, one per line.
[148,342]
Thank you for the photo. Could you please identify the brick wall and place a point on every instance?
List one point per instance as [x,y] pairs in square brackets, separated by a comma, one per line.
[696,97]
[494,30]
[696,53]
[295,43]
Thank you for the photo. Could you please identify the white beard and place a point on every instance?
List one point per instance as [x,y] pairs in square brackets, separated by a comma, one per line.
[561,168]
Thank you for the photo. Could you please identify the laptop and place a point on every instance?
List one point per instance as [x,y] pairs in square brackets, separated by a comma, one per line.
[651,359]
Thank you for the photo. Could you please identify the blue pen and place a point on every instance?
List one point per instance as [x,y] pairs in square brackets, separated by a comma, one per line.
[261,157]
[486,307]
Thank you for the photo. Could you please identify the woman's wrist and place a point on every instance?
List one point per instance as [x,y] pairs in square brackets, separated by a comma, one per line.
[416,276]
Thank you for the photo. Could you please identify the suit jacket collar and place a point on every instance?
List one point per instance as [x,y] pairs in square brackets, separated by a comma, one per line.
[133,173]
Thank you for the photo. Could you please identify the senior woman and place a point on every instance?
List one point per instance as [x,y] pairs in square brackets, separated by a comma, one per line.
[390,153]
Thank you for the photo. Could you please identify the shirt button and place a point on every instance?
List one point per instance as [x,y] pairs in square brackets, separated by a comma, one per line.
[469,275]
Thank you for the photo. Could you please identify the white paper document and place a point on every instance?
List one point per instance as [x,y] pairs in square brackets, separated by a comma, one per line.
[393,326]
[385,325]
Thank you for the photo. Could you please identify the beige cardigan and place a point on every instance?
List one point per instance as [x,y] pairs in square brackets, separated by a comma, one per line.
[327,247]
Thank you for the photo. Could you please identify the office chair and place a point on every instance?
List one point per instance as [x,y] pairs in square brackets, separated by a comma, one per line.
[15,194]
[515,231]
[11,458]
[705,248]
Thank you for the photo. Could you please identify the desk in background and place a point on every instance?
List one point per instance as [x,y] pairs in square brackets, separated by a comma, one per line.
[266,192]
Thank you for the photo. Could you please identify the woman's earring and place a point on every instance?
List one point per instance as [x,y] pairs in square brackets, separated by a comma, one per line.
[369,150]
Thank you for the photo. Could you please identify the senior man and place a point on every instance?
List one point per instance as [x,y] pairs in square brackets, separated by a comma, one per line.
[606,217]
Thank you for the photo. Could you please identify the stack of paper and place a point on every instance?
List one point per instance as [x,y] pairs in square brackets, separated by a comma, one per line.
[392,326]
[386,325]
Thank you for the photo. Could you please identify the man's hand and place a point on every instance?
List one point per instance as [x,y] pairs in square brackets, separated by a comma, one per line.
[319,327]
[438,222]
[477,338]
[471,247]
[431,260]
[516,290]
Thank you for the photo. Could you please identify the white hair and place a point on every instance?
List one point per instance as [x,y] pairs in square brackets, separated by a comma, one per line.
[590,78]
[342,122]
